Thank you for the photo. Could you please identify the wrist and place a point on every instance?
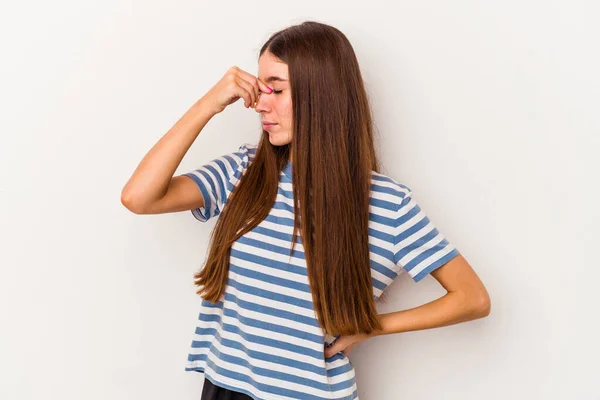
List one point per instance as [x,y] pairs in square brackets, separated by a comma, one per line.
[205,106]
[382,331]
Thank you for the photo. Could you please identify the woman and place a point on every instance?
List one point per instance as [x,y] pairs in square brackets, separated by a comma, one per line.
[281,308]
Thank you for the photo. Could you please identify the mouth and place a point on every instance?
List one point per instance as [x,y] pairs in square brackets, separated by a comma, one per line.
[267,125]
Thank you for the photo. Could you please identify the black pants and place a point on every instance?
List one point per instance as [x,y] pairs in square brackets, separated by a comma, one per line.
[210,391]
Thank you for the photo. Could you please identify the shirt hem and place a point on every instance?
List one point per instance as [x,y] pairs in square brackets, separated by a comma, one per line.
[223,385]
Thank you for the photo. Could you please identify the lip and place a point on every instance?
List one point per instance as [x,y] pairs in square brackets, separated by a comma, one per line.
[266,124]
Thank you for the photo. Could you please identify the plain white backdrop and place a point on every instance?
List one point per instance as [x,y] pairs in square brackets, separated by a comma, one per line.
[487,110]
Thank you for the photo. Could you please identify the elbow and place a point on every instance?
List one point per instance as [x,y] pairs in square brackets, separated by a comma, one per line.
[476,304]
[482,306]
[130,203]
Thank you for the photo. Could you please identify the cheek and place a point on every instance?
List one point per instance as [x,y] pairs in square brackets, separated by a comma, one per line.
[284,108]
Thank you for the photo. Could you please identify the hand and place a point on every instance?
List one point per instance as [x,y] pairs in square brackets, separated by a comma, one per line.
[234,84]
[345,344]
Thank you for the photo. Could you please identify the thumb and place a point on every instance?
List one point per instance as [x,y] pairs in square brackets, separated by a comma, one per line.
[331,351]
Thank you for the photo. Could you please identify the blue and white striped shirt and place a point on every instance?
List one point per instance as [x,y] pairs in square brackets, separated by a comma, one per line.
[263,338]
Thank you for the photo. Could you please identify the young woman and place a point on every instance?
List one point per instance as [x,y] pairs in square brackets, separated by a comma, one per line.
[309,233]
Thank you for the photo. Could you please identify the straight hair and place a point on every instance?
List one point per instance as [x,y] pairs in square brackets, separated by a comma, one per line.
[333,155]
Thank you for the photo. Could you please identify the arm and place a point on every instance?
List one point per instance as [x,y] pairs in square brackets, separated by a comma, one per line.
[152,189]
[467,299]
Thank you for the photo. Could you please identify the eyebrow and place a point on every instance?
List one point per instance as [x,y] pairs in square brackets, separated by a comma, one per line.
[275,78]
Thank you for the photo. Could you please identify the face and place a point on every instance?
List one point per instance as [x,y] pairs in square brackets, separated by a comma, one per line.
[277,106]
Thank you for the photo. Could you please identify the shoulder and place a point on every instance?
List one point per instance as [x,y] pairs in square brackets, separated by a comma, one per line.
[244,155]
[387,189]
[226,169]
[248,149]
[237,162]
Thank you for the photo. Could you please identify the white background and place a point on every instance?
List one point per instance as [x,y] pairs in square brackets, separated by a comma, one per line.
[487,110]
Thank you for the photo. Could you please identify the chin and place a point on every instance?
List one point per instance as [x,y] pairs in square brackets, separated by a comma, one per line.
[278,139]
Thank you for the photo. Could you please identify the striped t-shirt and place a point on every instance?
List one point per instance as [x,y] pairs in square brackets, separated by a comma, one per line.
[263,338]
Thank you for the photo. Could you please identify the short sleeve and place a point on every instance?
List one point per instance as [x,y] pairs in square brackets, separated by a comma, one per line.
[419,247]
[217,179]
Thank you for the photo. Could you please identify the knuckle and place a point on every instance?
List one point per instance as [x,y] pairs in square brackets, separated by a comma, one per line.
[232,71]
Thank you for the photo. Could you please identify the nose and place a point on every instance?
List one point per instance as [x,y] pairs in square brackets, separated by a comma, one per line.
[261,102]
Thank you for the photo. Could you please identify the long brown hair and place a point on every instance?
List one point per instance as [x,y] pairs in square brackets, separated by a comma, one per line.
[333,155]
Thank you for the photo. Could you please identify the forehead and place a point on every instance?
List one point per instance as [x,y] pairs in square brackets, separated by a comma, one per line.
[271,69]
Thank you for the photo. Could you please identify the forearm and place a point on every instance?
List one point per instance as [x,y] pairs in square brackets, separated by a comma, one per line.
[150,180]
[452,308]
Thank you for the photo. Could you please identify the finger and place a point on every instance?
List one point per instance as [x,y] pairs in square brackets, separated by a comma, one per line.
[240,93]
[260,84]
[244,91]
[336,348]
[264,87]
[329,351]
[251,79]
[248,89]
